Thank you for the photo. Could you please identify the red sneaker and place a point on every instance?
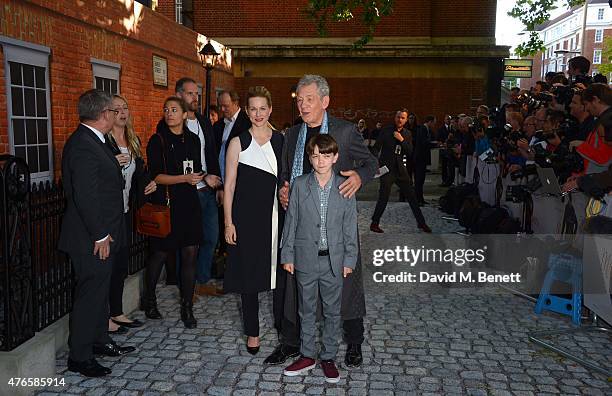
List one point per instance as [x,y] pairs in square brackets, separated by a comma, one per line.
[300,366]
[331,372]
[376,228]
[425,228]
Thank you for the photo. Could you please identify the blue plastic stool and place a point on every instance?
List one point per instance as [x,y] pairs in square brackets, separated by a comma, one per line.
[568,269]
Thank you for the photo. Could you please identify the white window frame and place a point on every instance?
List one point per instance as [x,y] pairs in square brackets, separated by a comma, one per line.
[23,52]
[600,14]
[105,69]
[597,57]
[599,35]
[178,11]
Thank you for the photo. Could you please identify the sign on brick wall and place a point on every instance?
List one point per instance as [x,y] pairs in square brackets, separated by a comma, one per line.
[521,68]
[160,71]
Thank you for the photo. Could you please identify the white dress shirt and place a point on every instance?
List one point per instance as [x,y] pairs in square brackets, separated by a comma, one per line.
[194,126]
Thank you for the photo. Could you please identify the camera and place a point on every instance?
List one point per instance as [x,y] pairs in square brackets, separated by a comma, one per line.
[534,102]
[563,94]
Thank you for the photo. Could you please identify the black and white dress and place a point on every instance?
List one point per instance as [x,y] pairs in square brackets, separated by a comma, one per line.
[252,262]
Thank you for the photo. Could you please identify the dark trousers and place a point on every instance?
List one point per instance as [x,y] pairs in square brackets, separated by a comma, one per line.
[451,165]
[250,314]
[386,182]
[89,317]
[419,181]
[444,165]
[118,275]
[120,271]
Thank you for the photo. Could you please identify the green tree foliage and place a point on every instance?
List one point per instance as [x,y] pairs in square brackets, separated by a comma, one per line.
[532,13]
[371,11]
[606,57]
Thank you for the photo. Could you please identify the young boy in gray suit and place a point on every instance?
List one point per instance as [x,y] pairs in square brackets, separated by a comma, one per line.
[319,245]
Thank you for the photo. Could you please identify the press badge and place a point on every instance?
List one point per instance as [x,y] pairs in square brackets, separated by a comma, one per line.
[187,167]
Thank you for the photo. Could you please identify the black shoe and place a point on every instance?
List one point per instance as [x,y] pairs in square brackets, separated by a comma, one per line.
[187,314]
[112,350]
[253,350]
[151,311]
[131,325]
[88,368]
[281,354]
[120,330]
[353,356]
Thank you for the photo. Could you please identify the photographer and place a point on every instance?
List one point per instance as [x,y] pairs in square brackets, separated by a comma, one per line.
[578,68]
[597,99]
[586,122]
[597,186]
[540,86]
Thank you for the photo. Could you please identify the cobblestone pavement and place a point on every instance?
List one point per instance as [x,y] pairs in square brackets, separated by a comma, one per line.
[420,339]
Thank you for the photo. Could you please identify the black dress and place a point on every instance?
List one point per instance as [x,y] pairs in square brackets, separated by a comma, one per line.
[252,263]
[185,210]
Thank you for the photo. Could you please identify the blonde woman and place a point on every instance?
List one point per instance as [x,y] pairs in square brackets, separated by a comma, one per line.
[251,211]
[125,145]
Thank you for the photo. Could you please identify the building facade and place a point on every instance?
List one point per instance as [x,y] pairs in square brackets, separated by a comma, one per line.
[568,36]
[430,56]
[52,51]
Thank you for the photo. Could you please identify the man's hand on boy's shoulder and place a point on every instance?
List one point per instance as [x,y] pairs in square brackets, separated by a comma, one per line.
[283,195]
[347,271]
[289,268]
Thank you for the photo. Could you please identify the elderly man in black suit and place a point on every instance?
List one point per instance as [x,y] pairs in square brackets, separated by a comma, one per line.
[395,146]
[93,231]
[312,101]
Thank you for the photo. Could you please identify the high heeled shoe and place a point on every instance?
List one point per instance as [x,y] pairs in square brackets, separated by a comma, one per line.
[187,314]
[151,310]
[252,350]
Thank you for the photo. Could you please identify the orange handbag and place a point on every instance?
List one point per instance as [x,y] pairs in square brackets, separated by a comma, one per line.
[152,219]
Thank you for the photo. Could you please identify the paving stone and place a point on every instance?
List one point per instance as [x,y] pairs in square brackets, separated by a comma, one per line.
[419,340]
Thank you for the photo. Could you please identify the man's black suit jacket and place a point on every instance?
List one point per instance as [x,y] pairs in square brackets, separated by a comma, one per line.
[422,147]
[93,185]
[211,146]
[242,124]
[386,144]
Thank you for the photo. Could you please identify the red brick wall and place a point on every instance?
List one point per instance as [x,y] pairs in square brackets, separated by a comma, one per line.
[166,8]
[377,99]
[264,18]
[75,34]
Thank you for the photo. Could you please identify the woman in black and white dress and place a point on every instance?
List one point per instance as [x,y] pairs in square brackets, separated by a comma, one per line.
[251,211]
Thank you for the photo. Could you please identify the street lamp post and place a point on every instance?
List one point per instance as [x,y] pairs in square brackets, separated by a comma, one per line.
[293,96]
[208,56]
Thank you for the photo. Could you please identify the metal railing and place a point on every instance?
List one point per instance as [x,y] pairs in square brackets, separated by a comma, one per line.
[36,280]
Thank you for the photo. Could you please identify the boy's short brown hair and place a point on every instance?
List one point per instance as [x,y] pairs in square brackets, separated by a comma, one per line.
[325,142]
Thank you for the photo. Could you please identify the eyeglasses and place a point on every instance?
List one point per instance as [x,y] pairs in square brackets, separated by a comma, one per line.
[113,110]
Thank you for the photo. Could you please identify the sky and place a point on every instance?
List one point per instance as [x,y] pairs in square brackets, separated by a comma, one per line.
[507,29]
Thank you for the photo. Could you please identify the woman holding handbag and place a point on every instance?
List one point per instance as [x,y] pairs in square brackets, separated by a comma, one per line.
[175,164]
[125,145]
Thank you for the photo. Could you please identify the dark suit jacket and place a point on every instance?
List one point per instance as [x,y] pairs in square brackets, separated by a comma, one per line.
[422,147]
[242,124]
[353,154]
[443,133]
[93,186]
[211,148]
[386,143]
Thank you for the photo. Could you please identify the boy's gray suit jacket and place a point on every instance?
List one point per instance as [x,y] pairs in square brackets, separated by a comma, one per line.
[302,230]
